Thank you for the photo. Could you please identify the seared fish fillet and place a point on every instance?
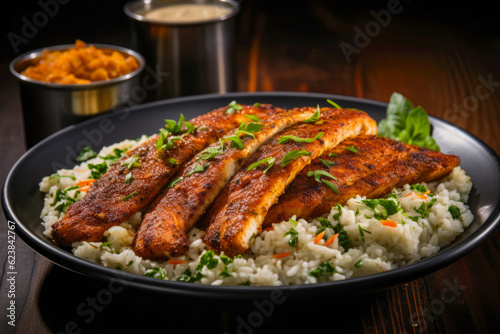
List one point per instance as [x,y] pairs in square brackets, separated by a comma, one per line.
[111,200]
[163,231]
[238,212]
[379,165]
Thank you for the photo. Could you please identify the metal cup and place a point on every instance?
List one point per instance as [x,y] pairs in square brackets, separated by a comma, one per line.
[188,58]
[48,107]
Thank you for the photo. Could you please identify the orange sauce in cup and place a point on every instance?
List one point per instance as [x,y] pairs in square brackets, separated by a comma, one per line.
[80,64]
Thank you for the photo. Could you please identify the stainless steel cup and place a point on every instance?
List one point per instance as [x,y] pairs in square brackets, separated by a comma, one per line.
[188,58]
[48,107]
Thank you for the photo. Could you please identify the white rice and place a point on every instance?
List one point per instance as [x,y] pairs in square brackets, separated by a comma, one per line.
[381,248]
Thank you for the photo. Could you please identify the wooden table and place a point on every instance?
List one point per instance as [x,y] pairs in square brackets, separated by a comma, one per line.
[451,69]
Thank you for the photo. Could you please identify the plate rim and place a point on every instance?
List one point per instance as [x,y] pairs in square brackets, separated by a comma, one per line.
[421,268]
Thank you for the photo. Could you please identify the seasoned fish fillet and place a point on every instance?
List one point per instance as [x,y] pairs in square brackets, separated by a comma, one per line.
[379,165]
[114,196]
[163,231]
[239,210]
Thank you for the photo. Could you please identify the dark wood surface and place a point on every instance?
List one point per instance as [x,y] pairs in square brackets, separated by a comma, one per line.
[444,59]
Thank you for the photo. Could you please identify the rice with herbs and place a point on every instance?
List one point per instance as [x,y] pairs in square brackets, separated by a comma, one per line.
[360,238]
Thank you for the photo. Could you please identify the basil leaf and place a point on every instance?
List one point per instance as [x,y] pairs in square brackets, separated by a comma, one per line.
[407,123]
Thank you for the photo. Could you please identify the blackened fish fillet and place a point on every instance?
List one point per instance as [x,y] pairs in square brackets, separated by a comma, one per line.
[111,200]
[163,231]
[238,212]
[379,165]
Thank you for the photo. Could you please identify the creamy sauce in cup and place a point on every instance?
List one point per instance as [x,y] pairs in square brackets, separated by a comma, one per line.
[186,13]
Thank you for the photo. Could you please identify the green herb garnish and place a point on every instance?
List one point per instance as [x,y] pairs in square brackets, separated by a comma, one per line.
[156,272]
[407,123]
[64,199]
[324,269]
[129,196]
[85,154]
[198,169]
[286,139]
[117,154]
[315,117]
[253,117]
[424,208]
[128,178]
[59,176]
[382,207]
[171,184]
[208,260]
[294,237]
[269,161]
[358,263]
[292,155]
[327,163]
[317,176]
[233,107]
[190,278]
[455,212]
[131,162]
[97,170]
[333,104]
[352,149]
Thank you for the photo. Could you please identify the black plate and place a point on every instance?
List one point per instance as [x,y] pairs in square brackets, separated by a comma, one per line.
[23,202]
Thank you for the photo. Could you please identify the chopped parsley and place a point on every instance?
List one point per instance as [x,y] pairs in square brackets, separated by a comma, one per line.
[324,269]
[425,208]
[455,212]
[293,222]
[85,154]
[333,155]
[63,199]
[382,207]
[188,277]
[156,272]
[97,170]
[286,139]
[269,161]
[208,260]
[115,156]
[294,237]
[292,155]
